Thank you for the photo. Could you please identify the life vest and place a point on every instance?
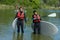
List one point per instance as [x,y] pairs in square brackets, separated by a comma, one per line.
[20,15]
[37,18]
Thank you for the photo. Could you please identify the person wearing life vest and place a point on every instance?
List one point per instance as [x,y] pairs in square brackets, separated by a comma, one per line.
[36,22]
[20,21]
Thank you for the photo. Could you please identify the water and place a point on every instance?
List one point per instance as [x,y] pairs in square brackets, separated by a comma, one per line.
[57,23]
[7,33]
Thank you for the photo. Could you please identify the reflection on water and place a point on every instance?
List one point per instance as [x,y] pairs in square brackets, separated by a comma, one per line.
[17,36]
[14,36]
[35,37]
[40,37]
[31,36]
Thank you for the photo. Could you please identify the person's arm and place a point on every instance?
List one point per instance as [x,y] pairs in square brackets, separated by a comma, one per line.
[40,17]
[16,15]
[32,17]
[25,17]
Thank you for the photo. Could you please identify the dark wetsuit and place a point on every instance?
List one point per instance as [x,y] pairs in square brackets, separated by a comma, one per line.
[20,24]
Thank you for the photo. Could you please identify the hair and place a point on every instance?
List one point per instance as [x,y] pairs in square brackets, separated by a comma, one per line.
[21,7]
[34,11]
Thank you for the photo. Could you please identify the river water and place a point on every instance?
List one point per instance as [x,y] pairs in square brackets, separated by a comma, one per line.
[7,33]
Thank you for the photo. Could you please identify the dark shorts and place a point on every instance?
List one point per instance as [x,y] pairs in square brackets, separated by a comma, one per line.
[36,25]
[20,22]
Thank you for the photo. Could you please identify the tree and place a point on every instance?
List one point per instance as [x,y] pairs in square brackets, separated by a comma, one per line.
[31,3]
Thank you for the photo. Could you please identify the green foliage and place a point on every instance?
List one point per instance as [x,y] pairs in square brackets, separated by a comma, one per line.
[51,2]
[31,3]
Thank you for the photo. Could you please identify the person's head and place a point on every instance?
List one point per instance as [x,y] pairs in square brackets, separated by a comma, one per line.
[35,12]
[21,9]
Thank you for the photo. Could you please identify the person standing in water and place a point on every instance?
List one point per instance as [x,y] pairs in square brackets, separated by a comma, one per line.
[36,21]
[20,21]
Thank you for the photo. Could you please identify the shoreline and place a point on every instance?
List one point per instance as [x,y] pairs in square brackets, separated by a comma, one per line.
[3,6]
